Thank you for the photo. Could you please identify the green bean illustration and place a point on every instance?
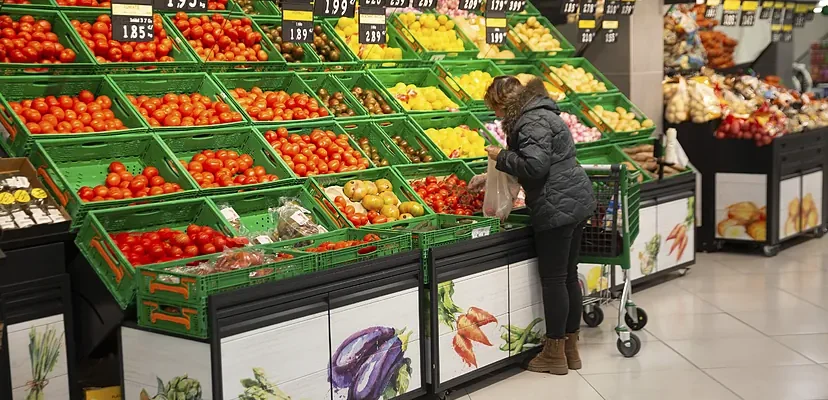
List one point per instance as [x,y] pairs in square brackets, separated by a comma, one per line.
[517,339]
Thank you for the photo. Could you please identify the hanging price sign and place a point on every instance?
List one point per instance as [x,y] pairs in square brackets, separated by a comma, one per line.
[397,3]
[748,17]
[424,4]
[710,10]
[180,5]
[767,9]
[496,21]
[787,22]
[627,7]
[470,5]
[372,25]
[586,29]
[334,8]
[569,7]
[730,12]
[297,21]
[612,7]
[800,15]
[516,6]
[132,20]
[610,27]
[810,15]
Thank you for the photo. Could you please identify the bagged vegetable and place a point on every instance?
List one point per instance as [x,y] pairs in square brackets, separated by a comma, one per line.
[704,104]
[677,98]
[501,191]
[294,221]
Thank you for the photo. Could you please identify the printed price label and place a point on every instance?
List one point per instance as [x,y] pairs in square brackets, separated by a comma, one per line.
[730,12]
[263,239]
[767,9]
[586,30]
[800,15]
[569,7]
[481,232]
[372,3]
[516,6]
[334,8]
[495,6]
[748,16]
[297,21]
[627,7]
[612,7]
[470,5]
[495,30]
[180,5]
[787,33]
[372,25]
[132,20]
[424,4]
[588,7]
[397,3]
[610,28]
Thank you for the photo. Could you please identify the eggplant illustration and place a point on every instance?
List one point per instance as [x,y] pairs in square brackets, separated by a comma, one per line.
[374,375]
[352,353]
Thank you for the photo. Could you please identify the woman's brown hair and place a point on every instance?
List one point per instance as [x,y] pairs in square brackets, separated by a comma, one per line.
[504,90]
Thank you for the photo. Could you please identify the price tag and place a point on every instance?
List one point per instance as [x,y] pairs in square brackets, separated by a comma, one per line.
[612,7]
[810,15]
[372,3]
[424,4]
[481,232]
[495,8]
[787,33]
[800,15]
[496,21]
[132,20]
[516,6]
[610,27]
[397,3]
[730,12]
[372,25]
[627,7]
[569,7]
[776,16]
[787,22]
[767,9]
[180,5]
[586,30]
[776,32]
[710,10]
[748,17]
[588,7]
[469,5]
[334,8]
[297,21]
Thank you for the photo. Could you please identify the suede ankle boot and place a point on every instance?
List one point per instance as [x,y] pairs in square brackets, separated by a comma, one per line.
[551,359]
[573,359]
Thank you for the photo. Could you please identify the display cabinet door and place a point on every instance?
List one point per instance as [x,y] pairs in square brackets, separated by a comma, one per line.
[37,356]
[644,251]
[741,206]
[526,325]
[677,233]
[811,214]
[791,206]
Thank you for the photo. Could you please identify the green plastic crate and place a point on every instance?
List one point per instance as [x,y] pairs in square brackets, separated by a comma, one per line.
[66,165]
[420,77]
[406,129]
[389,243]
[400,187]
[185,61]
[173,317]
[351,80]
[574,109]
[530,9]
[547,64]
[310,62]
[453,120]
[469,51]
[17,88]
[516,221]
[643,140]
[244,140]
[442,229]
[479,166]
[369,60]
[451,72]
[567,50]
[610,102]
[385,148]
[36,5]
[253,208]
[275,61]
[288,81]
[515,69]
[84,64]
[442,169]
[609,154]
[478,38]
[259,9]
[348,61]
[157,85]
[114,269]
[158,282]
[327,81]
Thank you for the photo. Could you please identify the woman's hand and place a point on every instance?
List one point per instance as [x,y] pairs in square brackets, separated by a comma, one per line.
[493,151]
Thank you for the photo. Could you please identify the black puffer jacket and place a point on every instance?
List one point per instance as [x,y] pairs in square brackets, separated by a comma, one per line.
[542,156]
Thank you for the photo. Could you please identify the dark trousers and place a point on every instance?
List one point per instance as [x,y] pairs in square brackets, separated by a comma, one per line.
[557,251]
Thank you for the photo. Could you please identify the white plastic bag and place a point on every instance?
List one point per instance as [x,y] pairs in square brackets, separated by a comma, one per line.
[500,193]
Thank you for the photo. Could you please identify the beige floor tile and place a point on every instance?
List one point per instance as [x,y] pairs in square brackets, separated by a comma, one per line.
[803,382]
[817,296]
[795,321]
[517,384]
[675,301]
[654,356]
[736,352]
[814,347]
[755,283]
[771,299]
[659,385]
[698,326]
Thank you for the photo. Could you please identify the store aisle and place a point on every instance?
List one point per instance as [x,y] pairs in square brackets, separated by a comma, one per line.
[736,327]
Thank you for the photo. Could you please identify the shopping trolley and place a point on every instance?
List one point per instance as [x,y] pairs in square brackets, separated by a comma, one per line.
[606,241]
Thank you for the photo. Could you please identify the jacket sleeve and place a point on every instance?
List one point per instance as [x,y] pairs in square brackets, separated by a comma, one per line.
[534,155]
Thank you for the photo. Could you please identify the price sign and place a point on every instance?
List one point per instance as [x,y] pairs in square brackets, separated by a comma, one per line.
[297,21]
[180,5]
[787,22]
[372,25]
[470,5]
[800,15]
[372,3]
[397,3]
[424,4]
[612,7]
[810,15]
[710,10]
[334,8]
[787,33]
[569,7]
[495,8]
[132,20]
[627,7]
[586,30]
[767,9]
[730,12]
[778,10]
[748,17]
[496,21]
[516,6]
[610,27]
[588,7]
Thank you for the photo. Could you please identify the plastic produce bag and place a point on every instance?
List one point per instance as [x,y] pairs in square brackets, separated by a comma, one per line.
[677,99]
[294,221]
[704,104]
[501,191]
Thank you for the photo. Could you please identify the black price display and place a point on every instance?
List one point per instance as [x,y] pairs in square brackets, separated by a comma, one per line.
[610,27]
[788,16]
[586,30]
[787,33]
[495,6]
[470,5]
[748,16]
[372,25]
[810,16]
[627,7]
[730,12]
[372,3]
[778,10]
[297,21]
[424,4]
[612,7]
[588,7]
[180,5]
[495,29]
[767,9]
[569,7]
[516,5]
[132,20]
[800,15]
[397,3]
[334,8]
[710,10]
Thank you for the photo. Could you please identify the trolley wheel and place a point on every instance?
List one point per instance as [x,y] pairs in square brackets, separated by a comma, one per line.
[594,318]
[770,251]
[636,325]
[630,348]
[819,232]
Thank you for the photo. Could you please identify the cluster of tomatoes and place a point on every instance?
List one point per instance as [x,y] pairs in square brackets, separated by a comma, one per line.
[65,114]
[83,3]
[216,38]
[121,184]
[359,219]
[212,169]
[98,38]
[448,196]
[17,2]
[342,244]
[217,5]
[320,153]
[277,106]
[167,244]
[183,110]
[28,40]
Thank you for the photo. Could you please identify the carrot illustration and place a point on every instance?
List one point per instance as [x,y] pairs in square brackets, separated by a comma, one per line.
[674,232]
[681,233]
[463,348]
[683,246]
[471,331]
[480,317]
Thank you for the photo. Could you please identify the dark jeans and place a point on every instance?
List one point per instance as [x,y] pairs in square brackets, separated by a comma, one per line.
[557,251]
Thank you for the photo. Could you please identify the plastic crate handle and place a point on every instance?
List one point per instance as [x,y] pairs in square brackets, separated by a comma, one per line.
[184,319]
[462,231]
[63,197]
[183,290]
[107,256]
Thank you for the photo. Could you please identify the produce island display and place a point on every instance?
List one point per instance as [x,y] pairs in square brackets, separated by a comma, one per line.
[284,186]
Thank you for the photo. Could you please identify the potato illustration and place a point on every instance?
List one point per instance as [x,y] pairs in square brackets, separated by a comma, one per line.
[730,228]
[808,204]
[743,212]
[793,207]
[792,225]
[763,213]
[758,231]
[812,219]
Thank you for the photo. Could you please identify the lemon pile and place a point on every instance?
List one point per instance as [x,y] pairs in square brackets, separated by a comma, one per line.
[435,33]
[475,83]
[578,79]
[621,120]
[459,142]
[348,30]
[536,36]
[426,98]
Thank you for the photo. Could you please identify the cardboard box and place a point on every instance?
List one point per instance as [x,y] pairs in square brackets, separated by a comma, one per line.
[22,166]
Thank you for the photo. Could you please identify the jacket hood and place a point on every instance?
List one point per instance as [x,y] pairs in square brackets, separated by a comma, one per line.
[534,96]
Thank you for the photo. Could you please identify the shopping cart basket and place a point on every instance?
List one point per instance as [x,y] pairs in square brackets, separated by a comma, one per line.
[606,241]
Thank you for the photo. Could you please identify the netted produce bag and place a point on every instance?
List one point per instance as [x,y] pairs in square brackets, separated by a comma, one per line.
[294,221]
[704,104]
[677,100]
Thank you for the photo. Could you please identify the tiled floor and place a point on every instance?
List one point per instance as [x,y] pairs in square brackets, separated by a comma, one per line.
[735,327]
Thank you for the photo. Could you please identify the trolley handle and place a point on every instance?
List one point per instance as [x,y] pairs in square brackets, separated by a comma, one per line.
[602,167]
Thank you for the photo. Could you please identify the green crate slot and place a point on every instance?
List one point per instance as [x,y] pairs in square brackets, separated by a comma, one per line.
[515,69]
[386,149]
[174,317]
[420,77]
[17,88]
[260,9]
[389,243]
[451,72]
[244,140]
[567,50]
[469,51]
[253,208]
[66,165]
[117,273]
[453,120]
[275,61]
[371,60]
[325,80]
[157,85]
[546,66]
[610,154]
[363,80]
[406,129]
[287,81]
[83,65]
[441,229]
[442,169]
[158,282]
[185,61]
[400,187]
[479,166]
[310,62]
[610,102]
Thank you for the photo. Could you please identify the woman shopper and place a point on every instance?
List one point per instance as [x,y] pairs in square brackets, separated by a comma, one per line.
[559,196]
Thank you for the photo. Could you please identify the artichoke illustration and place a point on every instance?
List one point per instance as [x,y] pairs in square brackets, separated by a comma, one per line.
[179,388]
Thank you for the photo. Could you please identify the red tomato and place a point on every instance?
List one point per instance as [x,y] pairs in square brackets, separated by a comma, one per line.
[150,172]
